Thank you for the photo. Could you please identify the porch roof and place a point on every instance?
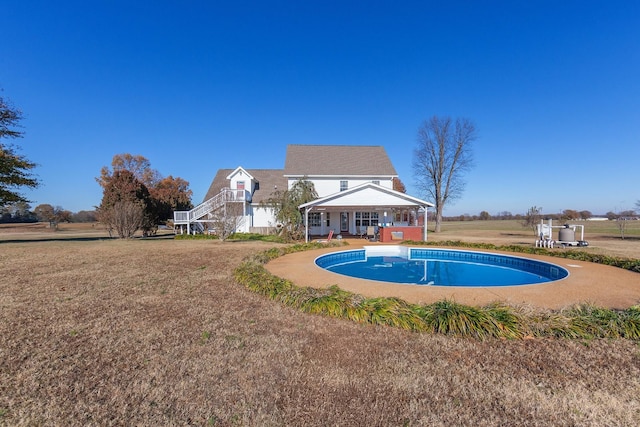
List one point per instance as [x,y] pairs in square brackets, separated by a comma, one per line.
[368,195]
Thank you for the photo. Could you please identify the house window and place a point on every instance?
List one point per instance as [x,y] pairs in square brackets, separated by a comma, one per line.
[365,219]
[314,219]
[344,185]
[328,218]
[402,216]
[376,181]
[240,190]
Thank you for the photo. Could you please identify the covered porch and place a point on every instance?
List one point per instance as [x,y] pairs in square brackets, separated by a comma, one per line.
[368,211]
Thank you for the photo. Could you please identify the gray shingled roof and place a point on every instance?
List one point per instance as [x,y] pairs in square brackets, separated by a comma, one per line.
[267,180]
[341,160]
[313,160]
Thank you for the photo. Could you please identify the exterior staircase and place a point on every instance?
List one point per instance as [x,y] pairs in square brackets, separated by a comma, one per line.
[194,218]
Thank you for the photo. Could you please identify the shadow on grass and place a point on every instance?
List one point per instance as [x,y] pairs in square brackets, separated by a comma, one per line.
[81,239]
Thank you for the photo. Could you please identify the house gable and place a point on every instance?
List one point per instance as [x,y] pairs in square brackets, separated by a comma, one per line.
[263,182]
[368,195]
[241,179]
[239,174]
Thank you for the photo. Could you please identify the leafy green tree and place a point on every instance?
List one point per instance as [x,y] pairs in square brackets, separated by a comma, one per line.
[285,205]
[441,158]
[15,169]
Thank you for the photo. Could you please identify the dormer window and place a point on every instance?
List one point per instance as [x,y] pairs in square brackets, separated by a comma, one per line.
[239,190]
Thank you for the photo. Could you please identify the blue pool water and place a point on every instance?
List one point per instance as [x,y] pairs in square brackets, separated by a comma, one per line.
[440,267]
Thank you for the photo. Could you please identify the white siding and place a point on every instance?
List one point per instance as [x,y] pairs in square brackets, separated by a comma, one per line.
[331,185]
[262,217]
[241,175]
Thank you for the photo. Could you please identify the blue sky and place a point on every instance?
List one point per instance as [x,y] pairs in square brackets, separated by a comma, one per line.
[553,88]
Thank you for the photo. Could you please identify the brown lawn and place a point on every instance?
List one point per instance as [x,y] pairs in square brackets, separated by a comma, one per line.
[155,332]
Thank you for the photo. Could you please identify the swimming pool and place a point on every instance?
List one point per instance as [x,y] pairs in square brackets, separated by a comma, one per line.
[439,267]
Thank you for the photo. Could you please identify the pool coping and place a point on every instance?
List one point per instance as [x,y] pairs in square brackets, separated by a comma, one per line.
[602,285]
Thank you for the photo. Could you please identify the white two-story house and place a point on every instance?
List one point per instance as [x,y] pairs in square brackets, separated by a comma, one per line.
[354,185]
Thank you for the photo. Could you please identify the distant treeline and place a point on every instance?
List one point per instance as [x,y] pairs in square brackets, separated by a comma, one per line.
[565,215]
[19,213]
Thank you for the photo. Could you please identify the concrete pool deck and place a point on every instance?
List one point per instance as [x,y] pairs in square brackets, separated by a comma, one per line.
[601,285]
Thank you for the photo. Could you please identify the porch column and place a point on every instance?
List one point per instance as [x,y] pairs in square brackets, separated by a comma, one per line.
[424,235]
[306,225]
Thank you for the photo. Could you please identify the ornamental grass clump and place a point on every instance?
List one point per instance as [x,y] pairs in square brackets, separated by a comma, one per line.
[506,321]
[605,323]
[258,279]
[631,323]
[594,321]
[545,323]
[331,301]
[451,318]
[394,312]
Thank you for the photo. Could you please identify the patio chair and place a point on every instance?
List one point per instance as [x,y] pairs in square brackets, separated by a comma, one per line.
[328,239]
[371,233]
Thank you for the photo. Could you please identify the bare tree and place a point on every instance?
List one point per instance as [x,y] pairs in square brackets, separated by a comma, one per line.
[124,217]
[227,219]
[441,158]
[622,226]
[532,218]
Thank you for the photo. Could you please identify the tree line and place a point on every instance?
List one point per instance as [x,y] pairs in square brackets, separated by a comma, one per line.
[23,212]
[565,215]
